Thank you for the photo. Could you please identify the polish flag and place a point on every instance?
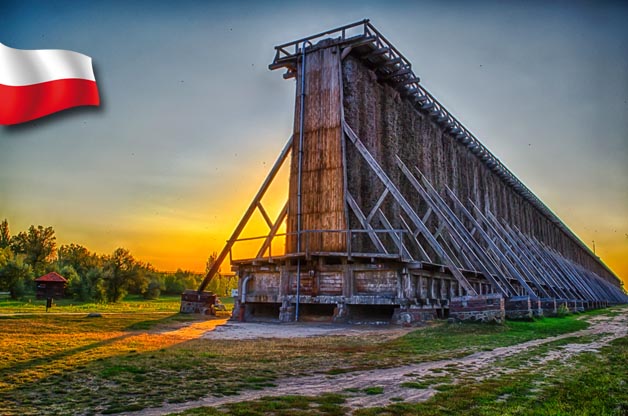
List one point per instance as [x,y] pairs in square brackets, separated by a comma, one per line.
[35,83]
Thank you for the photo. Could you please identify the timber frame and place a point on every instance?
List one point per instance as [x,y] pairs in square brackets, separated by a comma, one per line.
[433,258]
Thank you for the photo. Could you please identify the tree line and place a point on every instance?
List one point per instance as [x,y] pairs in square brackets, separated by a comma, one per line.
[91,276]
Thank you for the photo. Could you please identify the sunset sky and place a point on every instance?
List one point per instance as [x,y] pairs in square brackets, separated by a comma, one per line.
[192,119]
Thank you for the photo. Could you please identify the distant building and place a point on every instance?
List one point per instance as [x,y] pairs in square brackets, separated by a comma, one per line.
[51,285]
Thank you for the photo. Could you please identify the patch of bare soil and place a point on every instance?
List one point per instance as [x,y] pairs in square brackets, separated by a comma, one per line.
[478,366]
[249,330]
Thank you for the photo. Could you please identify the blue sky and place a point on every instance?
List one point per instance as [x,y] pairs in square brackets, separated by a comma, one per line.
[192,118]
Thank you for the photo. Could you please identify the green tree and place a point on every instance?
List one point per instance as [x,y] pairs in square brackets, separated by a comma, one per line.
[5,234]
[120,272]
[38,246]
[215,283]
[154,288]
[146,273]
[15,275]
[73,279]
[79,257]
[176,283]
[91,286]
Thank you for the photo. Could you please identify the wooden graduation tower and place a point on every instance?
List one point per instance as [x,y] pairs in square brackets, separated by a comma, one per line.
[395,211]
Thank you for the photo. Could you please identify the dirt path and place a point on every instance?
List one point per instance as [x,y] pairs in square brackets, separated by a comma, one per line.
[248,330]
[474,367]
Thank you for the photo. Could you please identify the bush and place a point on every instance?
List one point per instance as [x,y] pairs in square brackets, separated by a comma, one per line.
[562,310]
[153,290]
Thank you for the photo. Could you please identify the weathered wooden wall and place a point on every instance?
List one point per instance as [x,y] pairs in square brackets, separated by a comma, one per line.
[389,126]
[322,172]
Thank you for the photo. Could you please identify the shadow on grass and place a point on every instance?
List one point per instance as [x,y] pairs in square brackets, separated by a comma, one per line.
[164,371]
[67,354]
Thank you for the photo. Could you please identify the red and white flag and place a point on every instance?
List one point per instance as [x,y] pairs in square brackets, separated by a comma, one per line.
[35,83]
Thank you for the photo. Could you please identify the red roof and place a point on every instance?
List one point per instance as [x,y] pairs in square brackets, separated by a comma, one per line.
[51,277]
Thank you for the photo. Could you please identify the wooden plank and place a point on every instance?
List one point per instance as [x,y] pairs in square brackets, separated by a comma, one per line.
[455,227]
[247,215]
[378,204]
[365,225]
[414,235]
[273,231]
[322,168]
[510,252]
[491,244]
[264,214]
[397,238]
[529,258]
[405,206]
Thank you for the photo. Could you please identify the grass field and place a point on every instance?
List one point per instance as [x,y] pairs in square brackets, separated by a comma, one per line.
[165,303]
[591,384]
[132,358]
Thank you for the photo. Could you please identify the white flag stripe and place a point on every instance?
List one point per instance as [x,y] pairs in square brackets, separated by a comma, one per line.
[26,67]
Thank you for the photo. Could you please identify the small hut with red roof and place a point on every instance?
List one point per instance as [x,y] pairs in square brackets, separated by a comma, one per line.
[51,285]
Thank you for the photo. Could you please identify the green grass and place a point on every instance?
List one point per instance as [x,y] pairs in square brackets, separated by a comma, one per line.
[373,390]
[597,387]
[472,337]
[61,364]
[326,404]
[130,304]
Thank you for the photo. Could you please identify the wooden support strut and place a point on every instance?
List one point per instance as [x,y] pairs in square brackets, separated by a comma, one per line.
[397,237]
[450,220]
[580,289]
[458,231]
[590,295]
[273,231]
[365,224]
[522,266]
[522,253]
[405,206]
[547,275]
[493,247]
[247,215]
[569,289]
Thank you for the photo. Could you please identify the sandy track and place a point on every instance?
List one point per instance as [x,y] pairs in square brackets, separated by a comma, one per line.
[476,366]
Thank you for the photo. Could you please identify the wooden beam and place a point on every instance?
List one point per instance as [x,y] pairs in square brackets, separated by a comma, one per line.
[264,214]
[405,206]
[273,231]
[247,215]
[379,202]
[365,225]
[457,232]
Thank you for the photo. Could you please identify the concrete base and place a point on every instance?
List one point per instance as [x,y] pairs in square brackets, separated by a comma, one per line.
[237,314]
[195,302]
[287,312]
[481,308]
[549,306]
[580,306]
[575,306]
[341,313]
[412,315]
[521,307]
[537,308]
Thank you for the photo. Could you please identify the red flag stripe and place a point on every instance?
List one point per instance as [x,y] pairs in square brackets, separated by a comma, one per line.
[24,103]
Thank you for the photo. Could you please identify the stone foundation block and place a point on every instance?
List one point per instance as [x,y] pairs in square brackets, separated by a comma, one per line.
[580,306]
[341,313]
[287,312]
[480,308]
[549,306]
[411,316]
[520,307]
